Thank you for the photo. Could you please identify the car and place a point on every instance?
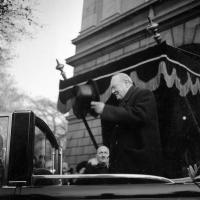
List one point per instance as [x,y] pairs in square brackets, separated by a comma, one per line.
[21,180]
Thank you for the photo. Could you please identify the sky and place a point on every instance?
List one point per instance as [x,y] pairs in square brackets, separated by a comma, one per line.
[34,67]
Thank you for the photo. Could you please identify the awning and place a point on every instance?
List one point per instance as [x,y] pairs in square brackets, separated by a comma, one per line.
[177,67]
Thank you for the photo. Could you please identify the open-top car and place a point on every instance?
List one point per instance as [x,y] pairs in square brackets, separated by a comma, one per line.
[21,180]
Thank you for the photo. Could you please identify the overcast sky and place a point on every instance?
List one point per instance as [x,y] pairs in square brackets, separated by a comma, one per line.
[34,68]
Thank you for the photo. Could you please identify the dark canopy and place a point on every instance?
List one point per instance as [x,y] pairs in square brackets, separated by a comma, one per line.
[146,68]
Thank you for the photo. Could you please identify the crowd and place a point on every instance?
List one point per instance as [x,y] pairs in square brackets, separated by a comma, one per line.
[96,165]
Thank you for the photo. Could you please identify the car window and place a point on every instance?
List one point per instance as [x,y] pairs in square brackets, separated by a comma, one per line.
[4,129]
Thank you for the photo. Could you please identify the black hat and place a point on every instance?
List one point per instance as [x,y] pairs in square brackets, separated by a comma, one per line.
[83,95]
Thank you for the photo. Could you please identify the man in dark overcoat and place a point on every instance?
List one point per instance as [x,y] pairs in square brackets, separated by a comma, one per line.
[130,129]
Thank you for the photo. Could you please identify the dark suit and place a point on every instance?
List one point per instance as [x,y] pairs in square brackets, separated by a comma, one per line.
[131,132]
[100,168]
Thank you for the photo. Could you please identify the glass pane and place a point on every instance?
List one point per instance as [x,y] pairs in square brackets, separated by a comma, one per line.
[3,143]
[43,151]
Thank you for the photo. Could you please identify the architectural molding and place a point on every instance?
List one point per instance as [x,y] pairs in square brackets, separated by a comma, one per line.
[183,11]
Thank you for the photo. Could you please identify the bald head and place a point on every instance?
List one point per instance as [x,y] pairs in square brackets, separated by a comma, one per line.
[120,84]
[123,77]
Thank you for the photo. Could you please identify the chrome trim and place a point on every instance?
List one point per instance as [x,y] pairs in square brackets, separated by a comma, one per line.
[7,150]
[128,176]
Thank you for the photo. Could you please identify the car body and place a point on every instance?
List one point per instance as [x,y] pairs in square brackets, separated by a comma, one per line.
[19,181]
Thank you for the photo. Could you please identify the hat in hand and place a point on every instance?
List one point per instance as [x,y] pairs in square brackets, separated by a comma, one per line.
[83,95]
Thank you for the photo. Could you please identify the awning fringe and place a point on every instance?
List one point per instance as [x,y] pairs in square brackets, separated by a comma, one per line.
[170,79]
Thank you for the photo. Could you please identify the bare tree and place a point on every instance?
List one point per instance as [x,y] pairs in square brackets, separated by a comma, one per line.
[46,109]
[10,98]
[16,20]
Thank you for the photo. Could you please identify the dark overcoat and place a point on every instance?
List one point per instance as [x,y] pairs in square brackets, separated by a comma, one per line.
[131,132]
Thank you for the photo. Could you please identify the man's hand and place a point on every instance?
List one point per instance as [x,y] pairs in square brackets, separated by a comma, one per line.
[97,106]
[93,161]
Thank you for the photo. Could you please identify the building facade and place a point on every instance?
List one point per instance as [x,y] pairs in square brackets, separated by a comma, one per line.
[115,29]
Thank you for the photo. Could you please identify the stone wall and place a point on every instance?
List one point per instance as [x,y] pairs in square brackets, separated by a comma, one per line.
[96,12]
[79,145]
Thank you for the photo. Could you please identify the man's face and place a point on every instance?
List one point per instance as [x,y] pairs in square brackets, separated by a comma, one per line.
[118,87]
[49,166]
[65,168]
[103,154]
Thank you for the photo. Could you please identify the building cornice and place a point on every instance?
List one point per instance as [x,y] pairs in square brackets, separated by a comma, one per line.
[95,29]
[166,19]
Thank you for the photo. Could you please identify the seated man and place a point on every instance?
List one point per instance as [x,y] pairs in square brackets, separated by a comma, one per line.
[65,168]
[48,170]
[49,166]
[100,164]
[80,168]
